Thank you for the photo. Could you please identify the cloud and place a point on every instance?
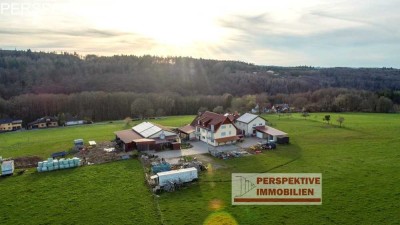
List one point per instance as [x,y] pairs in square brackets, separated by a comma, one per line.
[83,41]
[287,32]
[88,32]
[319,36]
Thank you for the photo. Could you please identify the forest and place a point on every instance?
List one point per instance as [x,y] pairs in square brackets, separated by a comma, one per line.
[36,84]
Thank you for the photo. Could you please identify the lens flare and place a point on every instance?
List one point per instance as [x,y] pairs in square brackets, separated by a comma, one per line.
[220,218]
[216,204]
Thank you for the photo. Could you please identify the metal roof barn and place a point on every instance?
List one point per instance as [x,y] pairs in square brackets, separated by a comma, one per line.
[142,127]
[247,118]
[150,131]
[271,131]
[146,136]
[146,129]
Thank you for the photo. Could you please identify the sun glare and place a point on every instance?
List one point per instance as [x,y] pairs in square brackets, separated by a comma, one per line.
[174,25]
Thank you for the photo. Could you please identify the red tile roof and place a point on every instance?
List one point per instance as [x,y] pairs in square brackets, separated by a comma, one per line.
[207,119]
[232,117]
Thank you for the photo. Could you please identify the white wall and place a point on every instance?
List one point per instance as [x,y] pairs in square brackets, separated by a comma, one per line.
[225,130]
[157,135]
[248,128]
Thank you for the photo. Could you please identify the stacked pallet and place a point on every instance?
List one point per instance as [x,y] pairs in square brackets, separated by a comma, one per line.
[53,164]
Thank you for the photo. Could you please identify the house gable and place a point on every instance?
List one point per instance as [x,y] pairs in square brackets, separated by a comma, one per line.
[211,121]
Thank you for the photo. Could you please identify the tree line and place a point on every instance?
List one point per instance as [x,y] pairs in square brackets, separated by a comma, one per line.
[27,72]
[102,106]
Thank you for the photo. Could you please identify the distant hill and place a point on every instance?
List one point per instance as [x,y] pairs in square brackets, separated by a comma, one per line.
[24,72]
[97,88]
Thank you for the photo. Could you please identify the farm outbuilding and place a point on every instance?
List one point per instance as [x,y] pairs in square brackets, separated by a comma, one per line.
[147,136]
[247,123]
[187,132]
[143,144]
[272,134]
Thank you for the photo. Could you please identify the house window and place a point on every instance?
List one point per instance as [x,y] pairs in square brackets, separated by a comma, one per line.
[223,134]
[230,132]
[230,126]
[223,127]
[254,124]
[260,124]
[198,129]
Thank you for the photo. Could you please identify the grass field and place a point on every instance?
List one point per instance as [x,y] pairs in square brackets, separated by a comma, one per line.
[359,164]
[44,142]
[112,193]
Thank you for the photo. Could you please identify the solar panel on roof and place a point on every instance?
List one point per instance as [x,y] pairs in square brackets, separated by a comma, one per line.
[150,131]
[142,127]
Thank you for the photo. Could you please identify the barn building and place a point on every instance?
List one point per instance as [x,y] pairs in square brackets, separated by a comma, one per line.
[253,125]
[247,123]
[187,132]
[272,134]
[147,136]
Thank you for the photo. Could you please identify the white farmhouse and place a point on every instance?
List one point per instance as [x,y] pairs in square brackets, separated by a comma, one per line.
[247,124]
[212,128]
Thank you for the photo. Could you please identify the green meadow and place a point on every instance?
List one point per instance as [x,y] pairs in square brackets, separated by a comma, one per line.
[112,193]
[359,163]
[46,141]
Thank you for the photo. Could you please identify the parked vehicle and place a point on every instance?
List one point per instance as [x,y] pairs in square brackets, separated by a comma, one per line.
[182,175]
[241,138]
[269,145]
[169,179]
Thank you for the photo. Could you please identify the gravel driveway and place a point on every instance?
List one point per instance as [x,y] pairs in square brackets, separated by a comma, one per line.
[198,148]
[249,141]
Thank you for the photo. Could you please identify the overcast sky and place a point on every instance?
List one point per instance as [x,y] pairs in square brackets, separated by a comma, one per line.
[357,33]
